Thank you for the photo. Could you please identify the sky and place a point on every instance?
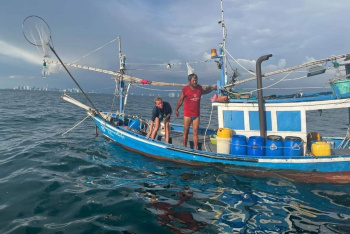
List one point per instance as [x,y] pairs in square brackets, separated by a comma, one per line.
[154,33]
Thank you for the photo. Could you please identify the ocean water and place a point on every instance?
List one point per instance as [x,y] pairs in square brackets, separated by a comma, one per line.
[79,183]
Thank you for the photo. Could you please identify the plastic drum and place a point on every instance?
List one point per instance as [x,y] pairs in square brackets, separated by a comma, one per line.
[293,146]
[274,145]
[256,146]
[239,145]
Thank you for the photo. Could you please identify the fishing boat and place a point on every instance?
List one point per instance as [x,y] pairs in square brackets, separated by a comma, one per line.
[257,135]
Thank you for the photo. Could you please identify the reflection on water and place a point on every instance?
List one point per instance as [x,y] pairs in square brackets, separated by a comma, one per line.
[173,213]
[188,199]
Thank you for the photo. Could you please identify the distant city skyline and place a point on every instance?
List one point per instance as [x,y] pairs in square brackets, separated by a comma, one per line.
[76,90]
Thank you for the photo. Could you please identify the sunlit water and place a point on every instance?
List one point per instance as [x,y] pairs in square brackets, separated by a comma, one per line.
[79,183]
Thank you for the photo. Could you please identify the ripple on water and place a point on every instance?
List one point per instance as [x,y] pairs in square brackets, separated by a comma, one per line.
[81,184]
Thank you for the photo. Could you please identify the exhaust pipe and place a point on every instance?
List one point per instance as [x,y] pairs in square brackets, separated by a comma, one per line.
[261,106]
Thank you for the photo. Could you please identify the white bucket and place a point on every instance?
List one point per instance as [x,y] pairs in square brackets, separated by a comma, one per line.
[223,145]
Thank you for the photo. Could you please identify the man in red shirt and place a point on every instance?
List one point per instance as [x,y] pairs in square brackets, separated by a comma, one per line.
[191,95]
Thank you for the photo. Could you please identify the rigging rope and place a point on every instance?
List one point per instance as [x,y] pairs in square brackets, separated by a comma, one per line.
[296,67]
[205,133]
[345,141]
[116,93]
[75,126]
[332,80]
[297,78]
[298,88]
[273,83]
[164,64]
[153,70]
[239,63]
[141,87]
[95,50]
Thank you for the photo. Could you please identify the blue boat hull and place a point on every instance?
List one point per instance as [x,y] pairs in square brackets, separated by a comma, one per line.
[139,143]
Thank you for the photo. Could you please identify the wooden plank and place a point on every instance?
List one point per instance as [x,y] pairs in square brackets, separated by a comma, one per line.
[75,102]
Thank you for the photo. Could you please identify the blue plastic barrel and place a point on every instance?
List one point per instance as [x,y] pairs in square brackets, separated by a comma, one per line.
[274,145]
[293,146]
[256,146]
[135,124]
[239,145]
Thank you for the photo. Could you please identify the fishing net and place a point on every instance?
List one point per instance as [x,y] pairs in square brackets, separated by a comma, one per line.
[37,32]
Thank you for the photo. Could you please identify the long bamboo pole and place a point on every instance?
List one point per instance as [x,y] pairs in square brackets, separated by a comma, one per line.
[294,68]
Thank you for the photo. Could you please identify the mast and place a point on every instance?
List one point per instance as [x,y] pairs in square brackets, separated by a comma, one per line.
[223,48]
[222,63]
[121,81]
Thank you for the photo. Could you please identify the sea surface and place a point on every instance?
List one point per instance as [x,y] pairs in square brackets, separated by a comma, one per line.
[80,183]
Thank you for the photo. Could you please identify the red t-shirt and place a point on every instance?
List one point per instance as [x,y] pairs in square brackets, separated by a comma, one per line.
[192,100]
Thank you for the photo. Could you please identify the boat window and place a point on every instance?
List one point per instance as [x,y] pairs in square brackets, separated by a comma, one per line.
[254,120]
[234,120]
[289,121]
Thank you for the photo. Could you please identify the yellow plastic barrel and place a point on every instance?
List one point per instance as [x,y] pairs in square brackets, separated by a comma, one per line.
[224,133]
[223,141]
[321,148]
[223,145]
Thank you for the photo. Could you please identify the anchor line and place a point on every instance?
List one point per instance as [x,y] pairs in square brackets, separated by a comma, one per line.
[75,126]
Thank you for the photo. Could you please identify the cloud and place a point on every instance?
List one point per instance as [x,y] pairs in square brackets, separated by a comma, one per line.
[309,59]
[12,51]
[206,56]
[16,77]
[28,57]
[282,63]
[265,31]
[272,67]
[54,68]
[157,32]
[20,77]
[251,7]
